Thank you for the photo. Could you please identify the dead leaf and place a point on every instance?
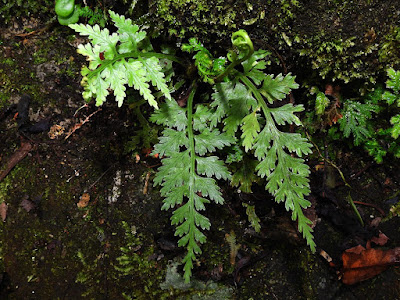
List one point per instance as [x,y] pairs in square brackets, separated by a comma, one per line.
[3,211]
[361,264]
[27,204]
[381,239]
[84,200]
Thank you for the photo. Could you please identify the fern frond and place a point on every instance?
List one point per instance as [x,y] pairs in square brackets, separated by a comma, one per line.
[286,175]
[187,176]
[120,59]
[233,101]
[277,88]
[355,119]
[393,83]
[395,121]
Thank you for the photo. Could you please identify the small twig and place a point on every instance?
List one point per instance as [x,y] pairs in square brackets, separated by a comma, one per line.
[146,183]
[83,106]
[373,206]
[79,125]
[98,179]
[39,31]
[19,155]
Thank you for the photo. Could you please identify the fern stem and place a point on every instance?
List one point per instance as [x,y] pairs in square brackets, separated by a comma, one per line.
[259,98]
[241,40]
[192,167]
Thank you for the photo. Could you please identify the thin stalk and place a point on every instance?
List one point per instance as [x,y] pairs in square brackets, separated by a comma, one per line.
[349,198]
[192,166]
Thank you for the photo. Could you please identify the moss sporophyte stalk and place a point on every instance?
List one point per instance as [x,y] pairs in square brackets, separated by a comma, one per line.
[238,117]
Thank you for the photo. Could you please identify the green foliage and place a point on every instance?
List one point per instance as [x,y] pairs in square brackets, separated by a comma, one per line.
[252,216]
[207,66]
[93,16]
[242,115]
[187,175]
[372,121]
[389,52]
[69,13]
[186,17]
[355,120]
[196,290]
[120,59]
[393,98]
[134,263]
[321,103]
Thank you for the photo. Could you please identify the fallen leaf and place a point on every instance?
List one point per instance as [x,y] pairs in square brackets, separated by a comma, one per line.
[27,204]
[361,264]
[380,240]
[3,211]
[84,200]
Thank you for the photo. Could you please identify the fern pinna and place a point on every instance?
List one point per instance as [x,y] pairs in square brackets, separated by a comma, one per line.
[239,115]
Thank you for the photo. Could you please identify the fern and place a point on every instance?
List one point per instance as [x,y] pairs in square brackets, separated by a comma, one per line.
[287,176]
[252,216]
[119,59]
[239,116]
[186,176]
[393,97]
[355,120]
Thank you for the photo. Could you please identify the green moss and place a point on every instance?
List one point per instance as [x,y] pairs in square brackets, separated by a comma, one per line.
[205,18]
[389,51]
[25,8]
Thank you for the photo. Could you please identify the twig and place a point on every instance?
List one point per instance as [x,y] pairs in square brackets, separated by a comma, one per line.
[98,179]
[79,125]
[19,155]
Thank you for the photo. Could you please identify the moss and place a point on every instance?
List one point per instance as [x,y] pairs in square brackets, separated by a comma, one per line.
[10,10]
[347,41]
[205,19]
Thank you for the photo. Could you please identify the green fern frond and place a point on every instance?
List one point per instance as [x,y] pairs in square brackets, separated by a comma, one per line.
[120,59]
[355,120]
[277,88]
[187,175]
[392,97]
[286,175]
[395,121]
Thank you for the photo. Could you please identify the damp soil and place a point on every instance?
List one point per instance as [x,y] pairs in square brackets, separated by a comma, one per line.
[83,220]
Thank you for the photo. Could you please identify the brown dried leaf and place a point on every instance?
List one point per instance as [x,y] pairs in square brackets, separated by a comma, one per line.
[361,264]
[84,200]
[27,204]
[3,211]
[381,239]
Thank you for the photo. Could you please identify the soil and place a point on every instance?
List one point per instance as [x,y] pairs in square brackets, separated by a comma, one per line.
[83,220]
